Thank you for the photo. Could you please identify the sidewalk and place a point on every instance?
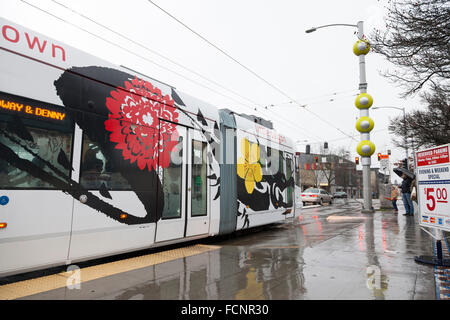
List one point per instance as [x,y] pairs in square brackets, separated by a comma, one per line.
[441,274]
[368,256]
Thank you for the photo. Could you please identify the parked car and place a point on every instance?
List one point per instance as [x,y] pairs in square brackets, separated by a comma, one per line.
[316,195]
[340,194]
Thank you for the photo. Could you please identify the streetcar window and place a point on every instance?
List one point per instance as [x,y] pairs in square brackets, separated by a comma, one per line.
[288,176]
[280,162]
[98,170]
[273,161]
[264,159]
[198,182]
[268,169]
[34,152]
[172,184]
[262,156]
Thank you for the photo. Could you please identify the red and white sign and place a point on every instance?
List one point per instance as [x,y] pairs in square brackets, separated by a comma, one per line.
[433,181]
[433,156]
[269,134]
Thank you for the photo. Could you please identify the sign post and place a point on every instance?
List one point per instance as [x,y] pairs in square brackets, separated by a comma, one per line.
[385,186]
[433,194]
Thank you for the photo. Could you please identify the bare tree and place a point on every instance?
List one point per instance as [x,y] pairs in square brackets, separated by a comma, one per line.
[331,169]
[428,127]
[327,172]
[417,40]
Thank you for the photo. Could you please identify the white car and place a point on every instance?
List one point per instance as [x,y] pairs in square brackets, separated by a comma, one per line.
[316,195]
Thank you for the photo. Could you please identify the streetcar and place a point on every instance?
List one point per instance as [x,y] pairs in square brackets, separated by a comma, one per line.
[97,159]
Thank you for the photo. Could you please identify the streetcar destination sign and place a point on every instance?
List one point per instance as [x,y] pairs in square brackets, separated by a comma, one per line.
[20,107]
[433,181]
[29,108]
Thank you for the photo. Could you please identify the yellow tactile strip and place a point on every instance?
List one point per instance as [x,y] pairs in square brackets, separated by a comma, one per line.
[60,280]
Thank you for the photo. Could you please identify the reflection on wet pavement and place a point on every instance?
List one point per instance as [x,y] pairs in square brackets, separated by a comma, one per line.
[309,257]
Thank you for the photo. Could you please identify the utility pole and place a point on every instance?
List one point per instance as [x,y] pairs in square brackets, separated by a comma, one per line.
[366,149]
[363,102]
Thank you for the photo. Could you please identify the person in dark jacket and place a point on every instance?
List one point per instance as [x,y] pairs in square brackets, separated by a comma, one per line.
[406,195]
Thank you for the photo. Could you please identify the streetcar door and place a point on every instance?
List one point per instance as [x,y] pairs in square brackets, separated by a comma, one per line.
[35,163]
[173,167]
[198,211]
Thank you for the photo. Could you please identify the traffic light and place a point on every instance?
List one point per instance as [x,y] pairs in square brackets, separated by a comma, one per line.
[356,160]
[316,159]
[379,156]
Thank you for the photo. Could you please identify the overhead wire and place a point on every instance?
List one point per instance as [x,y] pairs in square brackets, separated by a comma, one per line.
[322,96]
[136,54]
[159,65]
[246,68]
[221,50]
[337,139]
[294,125]
[133,53]
[321,101]
[344,138]
[153,51]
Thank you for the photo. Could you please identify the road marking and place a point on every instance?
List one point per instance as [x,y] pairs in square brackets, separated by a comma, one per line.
[343,218]
[278,247]
[60,280]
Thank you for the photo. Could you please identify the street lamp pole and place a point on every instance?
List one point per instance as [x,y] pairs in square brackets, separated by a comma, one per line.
[365,161]
[364,101]
[331,25]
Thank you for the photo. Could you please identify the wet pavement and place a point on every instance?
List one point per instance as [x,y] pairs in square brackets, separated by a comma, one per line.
[330,252]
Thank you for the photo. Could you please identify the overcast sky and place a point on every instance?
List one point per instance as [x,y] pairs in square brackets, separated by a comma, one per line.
[267,37]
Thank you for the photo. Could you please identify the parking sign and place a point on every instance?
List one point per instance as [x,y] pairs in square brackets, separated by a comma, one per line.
[433,181]
[384,165]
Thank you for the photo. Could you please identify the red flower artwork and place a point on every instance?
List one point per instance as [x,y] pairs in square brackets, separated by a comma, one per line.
[135,123]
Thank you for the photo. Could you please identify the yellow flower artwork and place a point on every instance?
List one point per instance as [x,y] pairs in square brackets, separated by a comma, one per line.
[248,167]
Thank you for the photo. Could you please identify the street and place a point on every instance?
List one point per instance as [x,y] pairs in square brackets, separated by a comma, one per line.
[328,252]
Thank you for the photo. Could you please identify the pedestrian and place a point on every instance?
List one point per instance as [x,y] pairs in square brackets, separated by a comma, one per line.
[406,195]
[394,196]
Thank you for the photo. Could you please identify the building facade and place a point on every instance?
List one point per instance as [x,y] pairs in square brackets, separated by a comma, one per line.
[328,171]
